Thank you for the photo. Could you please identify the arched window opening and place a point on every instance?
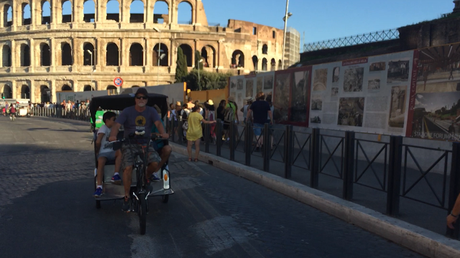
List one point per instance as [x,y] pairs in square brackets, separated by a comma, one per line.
[161,12]
[237,59]
[273,64]
[89,56]
[264,64]
[111,90]
[280,65]
[7,93]
[265,49]
[208,53]
[6,56]
[163,55]
[89,11]
[66,12]
[7,16]
[88,88]
[136,12]
[45,55]
[188,54]
[66,87]
[26,14]
[111,57]
[274,34]
[46,12]
[45,94]
[184,14]
[25,92]
[66,54]
[255,62]
[136,55]
[25,55]
[113,11]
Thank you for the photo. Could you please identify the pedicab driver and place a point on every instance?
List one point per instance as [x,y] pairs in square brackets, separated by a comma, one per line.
[139,117]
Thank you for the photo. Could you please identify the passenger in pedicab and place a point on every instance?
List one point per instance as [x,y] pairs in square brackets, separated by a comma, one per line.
[139,117]
[106,153]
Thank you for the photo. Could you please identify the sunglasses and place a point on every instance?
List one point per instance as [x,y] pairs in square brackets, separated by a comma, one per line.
[142,97]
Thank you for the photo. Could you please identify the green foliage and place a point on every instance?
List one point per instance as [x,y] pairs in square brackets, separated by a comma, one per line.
[197,60]
[208,80]
[181,68]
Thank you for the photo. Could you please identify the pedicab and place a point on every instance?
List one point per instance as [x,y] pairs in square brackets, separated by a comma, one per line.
[141,189]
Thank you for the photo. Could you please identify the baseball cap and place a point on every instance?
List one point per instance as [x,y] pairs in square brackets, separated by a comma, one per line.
[141,91]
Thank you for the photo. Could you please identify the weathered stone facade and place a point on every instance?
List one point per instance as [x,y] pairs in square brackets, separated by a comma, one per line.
[78,51]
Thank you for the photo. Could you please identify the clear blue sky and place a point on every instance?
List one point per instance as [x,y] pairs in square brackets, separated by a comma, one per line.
[328,19]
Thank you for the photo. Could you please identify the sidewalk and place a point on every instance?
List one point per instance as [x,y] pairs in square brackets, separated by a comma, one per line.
[424,235]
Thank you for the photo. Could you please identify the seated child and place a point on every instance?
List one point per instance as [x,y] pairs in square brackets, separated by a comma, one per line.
[105,154]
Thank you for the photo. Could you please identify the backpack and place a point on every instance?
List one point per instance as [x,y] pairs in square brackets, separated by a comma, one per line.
[229,114]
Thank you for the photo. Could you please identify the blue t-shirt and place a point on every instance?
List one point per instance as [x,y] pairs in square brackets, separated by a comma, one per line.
[260,110]
[133,120]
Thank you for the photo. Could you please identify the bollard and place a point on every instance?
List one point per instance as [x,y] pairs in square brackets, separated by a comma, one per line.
[218,137]
[288,151]
[348,166]
[171,125]
[314,157]
[394,175]
[454,189]
[266,148]
[232,127]
[207,137]
[248,144]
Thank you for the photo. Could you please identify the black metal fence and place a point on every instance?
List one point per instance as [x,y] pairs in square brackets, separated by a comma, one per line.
[60,112]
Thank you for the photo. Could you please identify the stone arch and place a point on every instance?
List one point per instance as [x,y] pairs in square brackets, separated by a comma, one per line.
[88,88]
[7,92]
[255,62]
[25,13]
[237,59]
[66,11]
[66,54]
[273,64]
[265,49]
[136,55]
[25,92]
[134,15]
[164,53]
[45,55]
[25,55]
[280,65]
[111,56]
[161,12]
[6,56]
[111,90]
[208,53]
[274,34]
[89,55]
[46,12]
[45,94]
[66,87]
[188,52]
[112,5]
[264,64]
[185,13]
[89,10]
[7,15]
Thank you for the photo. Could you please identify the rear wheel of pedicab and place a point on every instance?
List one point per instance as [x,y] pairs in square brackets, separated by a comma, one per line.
[98,204]
[165,198]
[142,211]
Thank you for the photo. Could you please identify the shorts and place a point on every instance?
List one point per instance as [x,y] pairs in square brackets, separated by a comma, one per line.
[108,155]
[258,129]
[130,150]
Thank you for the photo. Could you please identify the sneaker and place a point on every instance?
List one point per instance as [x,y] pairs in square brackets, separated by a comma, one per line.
[116,179]
[154,178]
[126,204]
[98,192]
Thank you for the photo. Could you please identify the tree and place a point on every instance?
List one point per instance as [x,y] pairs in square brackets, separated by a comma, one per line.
[208,80]
[181,66]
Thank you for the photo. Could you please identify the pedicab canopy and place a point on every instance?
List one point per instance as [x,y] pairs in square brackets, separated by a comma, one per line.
[120,102]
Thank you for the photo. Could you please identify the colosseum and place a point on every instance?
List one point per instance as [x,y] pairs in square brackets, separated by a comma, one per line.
[82,45]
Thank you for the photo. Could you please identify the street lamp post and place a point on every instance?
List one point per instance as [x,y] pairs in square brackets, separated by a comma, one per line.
[158,55]
[92,66]
[199,62]
[285,18]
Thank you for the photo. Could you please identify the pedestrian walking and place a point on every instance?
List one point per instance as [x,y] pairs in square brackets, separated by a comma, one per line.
[194,131]
[258,115]
[210,115]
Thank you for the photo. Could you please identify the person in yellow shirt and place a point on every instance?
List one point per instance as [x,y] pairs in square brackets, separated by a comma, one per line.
[195,131]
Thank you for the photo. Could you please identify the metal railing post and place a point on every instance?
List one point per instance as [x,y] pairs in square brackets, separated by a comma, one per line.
[232,133]
[288,151]
[348,165]
[180,131]
[248,144]
[454,189]
[394,175]
[218,137]
[314,157]
[171,125]
[266,148]
[207,137]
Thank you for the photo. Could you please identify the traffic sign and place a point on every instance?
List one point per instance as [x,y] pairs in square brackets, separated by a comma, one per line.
[118,81]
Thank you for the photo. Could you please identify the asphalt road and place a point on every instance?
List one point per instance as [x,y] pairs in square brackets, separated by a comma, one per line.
[47,208]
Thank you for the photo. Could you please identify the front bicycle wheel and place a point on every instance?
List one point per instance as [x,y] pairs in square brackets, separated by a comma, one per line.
[142,211]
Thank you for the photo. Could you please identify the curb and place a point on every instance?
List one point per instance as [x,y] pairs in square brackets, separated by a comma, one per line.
[415,238]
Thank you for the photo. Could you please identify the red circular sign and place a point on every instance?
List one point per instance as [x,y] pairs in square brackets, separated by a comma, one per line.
[118,81]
